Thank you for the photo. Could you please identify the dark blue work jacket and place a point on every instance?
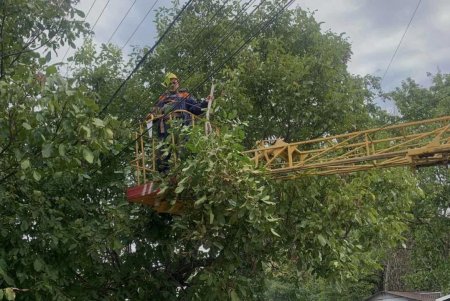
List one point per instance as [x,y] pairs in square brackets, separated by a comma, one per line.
[172,101]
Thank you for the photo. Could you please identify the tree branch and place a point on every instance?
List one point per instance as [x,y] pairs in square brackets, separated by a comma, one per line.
[2,46]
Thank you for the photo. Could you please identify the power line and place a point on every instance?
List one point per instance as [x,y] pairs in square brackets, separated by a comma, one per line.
[400,42]
[194,40]
[208,53]
[226,32]
[139,25]
[14,169]
[264,25]
[96,21]
[249,39]
[89,11]
[101,14]
[138,65]
[121,21]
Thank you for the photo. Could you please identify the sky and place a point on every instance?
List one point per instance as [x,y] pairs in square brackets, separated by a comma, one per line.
[373,27]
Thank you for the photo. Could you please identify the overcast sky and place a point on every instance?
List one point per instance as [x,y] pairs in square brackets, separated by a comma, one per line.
[373,27]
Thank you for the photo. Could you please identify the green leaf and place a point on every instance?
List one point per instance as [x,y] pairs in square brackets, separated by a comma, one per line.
[322,240]
[10,294]
[274,232]
[110,133]
[179,189]
[218,245]
[62,150]
[86,130]
[48,56]
[1,294]
[5,277]
[46,150]
[117,245]
[88,155]
[37,264]
[25,164]
[36,175]
[80,13]
[98,123]
[26,126]
[266,200]
[234,296]
[200,201]
[211,216]
[51,70]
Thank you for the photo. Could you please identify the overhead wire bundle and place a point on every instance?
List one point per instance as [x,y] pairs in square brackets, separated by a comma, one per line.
[261,26]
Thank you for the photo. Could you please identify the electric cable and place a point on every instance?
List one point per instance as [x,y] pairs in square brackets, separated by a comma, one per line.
[221,65]
[84,20]
[210,53]
[227,32]
[249,39]
[142,60]
[14,169]
[264,25]
[194,40]
[144,57]
[139,25]
[101,14]
[234,21]
[400,42]
[267,23]
[121,21]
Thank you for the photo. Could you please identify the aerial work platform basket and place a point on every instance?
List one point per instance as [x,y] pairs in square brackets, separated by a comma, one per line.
[147,189]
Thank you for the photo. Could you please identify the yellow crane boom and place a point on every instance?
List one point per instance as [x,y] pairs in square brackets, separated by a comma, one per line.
[420,143]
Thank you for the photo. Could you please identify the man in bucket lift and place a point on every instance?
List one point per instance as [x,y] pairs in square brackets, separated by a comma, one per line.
[171,100]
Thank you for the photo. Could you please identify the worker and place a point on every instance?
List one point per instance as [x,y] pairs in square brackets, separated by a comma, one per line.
[170,101]
[176,99]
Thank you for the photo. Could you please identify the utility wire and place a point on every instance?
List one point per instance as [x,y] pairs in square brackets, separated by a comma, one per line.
[225,32]
[139,25]
[264,25]
[228,29]
[142,60]
[14,169]
[249,39]
[84,20]
[121,21]
[194,40]
[101,14]
[146,54]
[208,53]
[400,42]
[212,57]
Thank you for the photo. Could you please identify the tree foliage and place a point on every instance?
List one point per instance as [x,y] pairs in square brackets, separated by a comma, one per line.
[428,243]
[66,229]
